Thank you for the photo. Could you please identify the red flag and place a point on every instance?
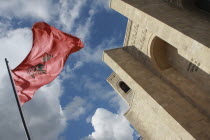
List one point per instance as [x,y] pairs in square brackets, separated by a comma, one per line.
[50,50]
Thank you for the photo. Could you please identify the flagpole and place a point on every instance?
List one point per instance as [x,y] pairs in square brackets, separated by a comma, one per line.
[17,101]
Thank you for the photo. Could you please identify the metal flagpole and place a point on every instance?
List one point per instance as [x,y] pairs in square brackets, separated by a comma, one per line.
[17,101]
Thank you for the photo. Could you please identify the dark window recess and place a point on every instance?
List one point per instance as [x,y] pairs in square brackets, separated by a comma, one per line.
[203,4]
[124,87]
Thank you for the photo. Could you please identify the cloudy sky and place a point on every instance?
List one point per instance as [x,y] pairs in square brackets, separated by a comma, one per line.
[79,104]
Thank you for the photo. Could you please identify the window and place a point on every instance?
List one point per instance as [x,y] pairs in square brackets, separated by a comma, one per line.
[124,86]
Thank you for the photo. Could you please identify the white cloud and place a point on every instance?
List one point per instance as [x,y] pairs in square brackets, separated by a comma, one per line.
[66,73]
[69,12]
[44,115]
[15,45]
[76,108]
[109,126]
[4,27]
[106,123]
[117,102]
[102,4]
[38,9]
[94,89]
[83,30]
[94,55]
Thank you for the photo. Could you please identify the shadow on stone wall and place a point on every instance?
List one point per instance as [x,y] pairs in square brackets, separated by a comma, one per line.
[189,20]
[198,90]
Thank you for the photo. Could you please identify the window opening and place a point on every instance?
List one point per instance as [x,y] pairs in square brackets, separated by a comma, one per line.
[124,86]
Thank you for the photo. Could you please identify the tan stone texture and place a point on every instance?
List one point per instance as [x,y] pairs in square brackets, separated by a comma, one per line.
[165,62]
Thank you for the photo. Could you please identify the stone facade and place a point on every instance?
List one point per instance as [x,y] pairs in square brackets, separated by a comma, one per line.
[165,64]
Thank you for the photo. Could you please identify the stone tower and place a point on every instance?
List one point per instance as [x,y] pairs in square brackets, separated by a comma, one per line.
[163,70]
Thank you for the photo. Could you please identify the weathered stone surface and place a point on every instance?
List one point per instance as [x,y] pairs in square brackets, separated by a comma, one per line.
[165,62]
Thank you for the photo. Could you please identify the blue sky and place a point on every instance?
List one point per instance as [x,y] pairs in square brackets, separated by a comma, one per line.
[79,104]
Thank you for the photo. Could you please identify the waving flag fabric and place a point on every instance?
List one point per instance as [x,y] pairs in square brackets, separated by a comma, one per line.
[50,50]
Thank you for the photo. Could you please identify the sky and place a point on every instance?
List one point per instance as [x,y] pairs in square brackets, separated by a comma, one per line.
[79,104]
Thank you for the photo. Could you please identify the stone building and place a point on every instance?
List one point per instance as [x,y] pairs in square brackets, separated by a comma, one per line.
[163,69]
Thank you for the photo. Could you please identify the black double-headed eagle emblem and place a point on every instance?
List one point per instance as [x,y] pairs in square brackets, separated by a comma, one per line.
[39,68]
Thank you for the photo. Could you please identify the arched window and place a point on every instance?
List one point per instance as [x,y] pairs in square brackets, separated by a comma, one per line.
[124,86]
